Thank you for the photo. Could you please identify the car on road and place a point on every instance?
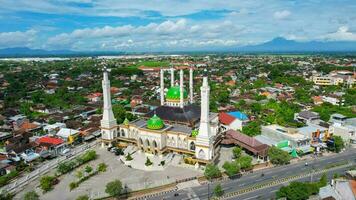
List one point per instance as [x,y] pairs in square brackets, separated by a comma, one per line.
[306,164]
[65,152]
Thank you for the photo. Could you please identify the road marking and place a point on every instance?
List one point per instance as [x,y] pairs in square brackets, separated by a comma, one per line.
[284,180]
[273,191]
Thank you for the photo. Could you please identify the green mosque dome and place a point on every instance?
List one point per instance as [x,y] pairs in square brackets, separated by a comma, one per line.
[126,121]
[195,133]
[155,123]
[174,93]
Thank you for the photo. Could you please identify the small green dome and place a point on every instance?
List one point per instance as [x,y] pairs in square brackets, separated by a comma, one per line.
[155,123]
[174,93]
[126,121]
[195,133]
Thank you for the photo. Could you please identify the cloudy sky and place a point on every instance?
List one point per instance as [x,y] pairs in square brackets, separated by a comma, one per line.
[158,25]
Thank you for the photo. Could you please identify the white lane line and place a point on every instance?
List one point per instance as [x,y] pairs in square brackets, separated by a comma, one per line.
[273,191]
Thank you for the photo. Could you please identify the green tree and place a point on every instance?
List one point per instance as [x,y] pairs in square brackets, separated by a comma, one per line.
[298,190]
[245,162]
[252,129]
[82,197]
[236,152]
[256,108]
[338,143]
[31,195]
[25,108]
[231,168]
[148,162]
[79,174]
[73,185]
[88,169]
[278,156]
[114,188]
[47,182]
[102,167]
[212,171]
[302,95]
[323,181]
[218,191]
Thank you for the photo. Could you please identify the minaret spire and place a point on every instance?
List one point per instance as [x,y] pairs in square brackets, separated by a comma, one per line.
[172,76]
[191,88]
[181,102]
[108,122]
[162,87]
[206,151]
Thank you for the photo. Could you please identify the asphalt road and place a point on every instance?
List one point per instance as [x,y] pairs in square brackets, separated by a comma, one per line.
[272,174]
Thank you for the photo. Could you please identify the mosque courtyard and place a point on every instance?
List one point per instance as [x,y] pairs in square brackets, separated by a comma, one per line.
[133,179]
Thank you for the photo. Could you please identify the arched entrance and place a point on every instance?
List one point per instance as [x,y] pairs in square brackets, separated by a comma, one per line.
[140,144]
[201,154]
[155,147]
[192,146]
[147,145]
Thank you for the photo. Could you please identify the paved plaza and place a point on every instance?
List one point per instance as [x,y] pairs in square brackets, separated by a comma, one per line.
[134,179]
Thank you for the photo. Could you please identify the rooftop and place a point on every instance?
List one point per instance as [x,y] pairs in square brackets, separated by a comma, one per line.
[239,115]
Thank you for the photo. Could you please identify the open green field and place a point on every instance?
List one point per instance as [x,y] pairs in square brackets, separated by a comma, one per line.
[151,64]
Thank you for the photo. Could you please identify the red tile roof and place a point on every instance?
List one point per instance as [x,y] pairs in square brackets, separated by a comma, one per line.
[245,141]
[225,118]
[50,140]
[353,186]
[28,126]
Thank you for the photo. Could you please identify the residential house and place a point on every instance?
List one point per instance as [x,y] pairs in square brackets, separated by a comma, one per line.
[233,120]
[49,147]
[67,134]
[53,128]
[94,97]
[307,117]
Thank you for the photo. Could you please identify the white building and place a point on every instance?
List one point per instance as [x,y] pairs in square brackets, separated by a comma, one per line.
[343,127]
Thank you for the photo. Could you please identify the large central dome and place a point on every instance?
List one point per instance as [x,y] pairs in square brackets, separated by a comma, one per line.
[174,93]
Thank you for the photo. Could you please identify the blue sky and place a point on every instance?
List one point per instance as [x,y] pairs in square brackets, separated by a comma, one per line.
[158,25]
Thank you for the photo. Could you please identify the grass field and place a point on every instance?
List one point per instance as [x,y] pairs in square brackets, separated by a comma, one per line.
[151,64]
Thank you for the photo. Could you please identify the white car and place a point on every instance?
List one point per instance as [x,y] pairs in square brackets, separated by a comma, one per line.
[65,151]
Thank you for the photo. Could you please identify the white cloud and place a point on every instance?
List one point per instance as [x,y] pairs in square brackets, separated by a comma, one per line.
[342,34]
[281,14]
[17,38]
[168,34]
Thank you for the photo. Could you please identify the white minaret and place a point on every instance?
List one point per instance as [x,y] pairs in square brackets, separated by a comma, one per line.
[172,76]
[191,92]
[162,87]
[204,144]
[181,102]
[108,122]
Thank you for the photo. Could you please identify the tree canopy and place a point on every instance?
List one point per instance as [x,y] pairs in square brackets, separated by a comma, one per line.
[212,171]
[114,188]
[278,156]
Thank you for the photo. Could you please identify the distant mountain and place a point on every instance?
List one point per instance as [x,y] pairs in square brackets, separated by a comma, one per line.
[281,45]
[24,51]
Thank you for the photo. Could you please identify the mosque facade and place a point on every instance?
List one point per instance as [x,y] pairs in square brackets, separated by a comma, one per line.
[178,125]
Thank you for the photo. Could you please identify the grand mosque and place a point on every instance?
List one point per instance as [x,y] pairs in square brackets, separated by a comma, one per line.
[178,125]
